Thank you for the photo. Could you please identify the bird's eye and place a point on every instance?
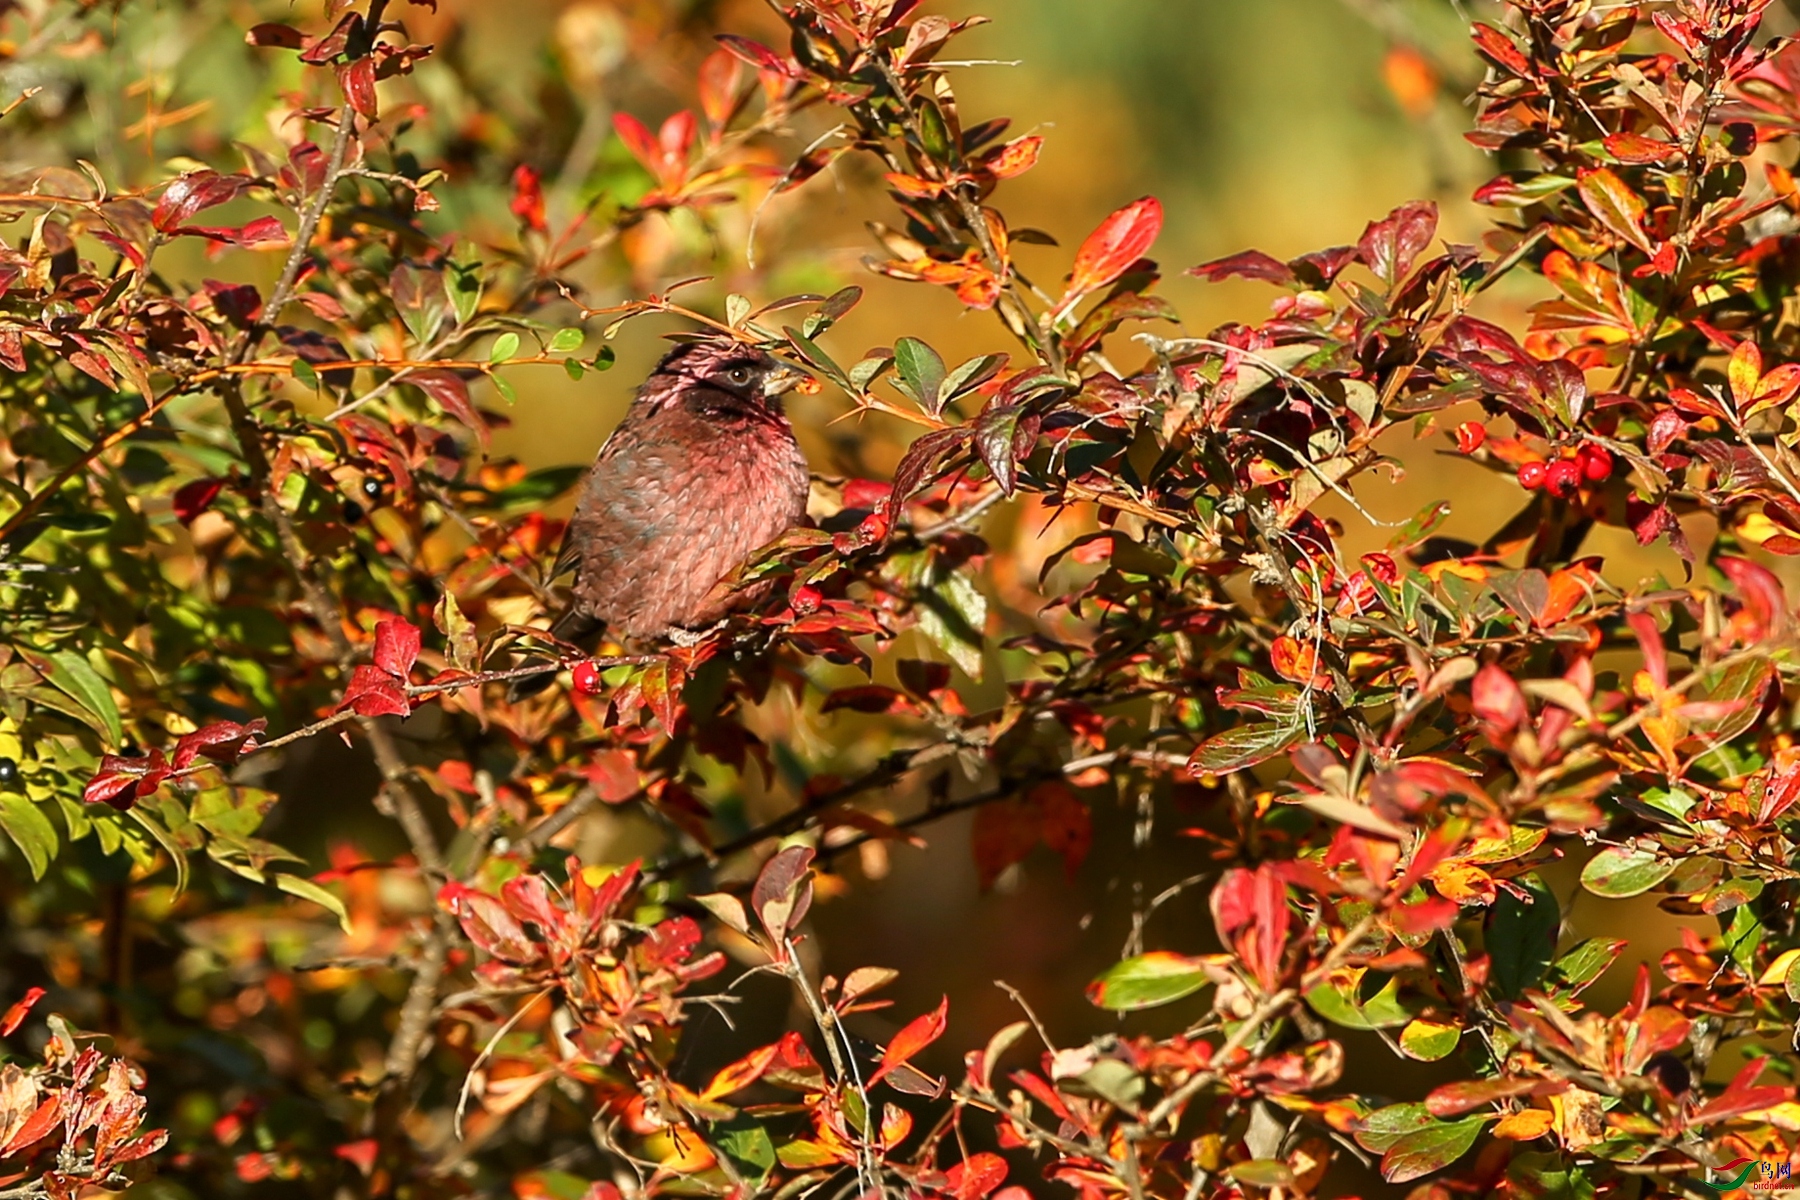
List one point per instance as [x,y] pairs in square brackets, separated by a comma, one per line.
[738,375]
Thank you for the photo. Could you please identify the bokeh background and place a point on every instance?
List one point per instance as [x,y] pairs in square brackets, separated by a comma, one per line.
[1284,125]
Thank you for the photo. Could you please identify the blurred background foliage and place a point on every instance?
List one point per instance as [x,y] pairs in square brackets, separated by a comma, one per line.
[1281,124]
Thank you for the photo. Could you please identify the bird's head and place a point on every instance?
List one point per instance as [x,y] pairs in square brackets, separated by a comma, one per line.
[725,369]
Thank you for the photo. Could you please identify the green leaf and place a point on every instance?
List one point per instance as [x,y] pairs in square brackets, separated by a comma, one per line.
[28,827]
[1245,746]
[1385,1126]
[540,486]
[1262,1173]
[750,1145]
[573,369]
[306,889]
[566,339]
[81,682]
[1429,1040]
[304,372]
[505,346]
[953,613]
[1521,940]
[1344,1006]
[1148,980]
[166,840]
[463,280]
[922,371]
[1426,1150]
[1586,962]
[504,388]
[1621,871]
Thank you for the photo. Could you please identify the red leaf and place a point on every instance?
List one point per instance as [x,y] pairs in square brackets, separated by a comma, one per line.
[1389,246]
[527,202]
[270,34]
[15,1016]
[1764,601]
[1251,913]
[976,1176]
[640,141]
[1250,264]
[223,742]
[114,782]
[192,499]
[46,1117]
[396,646]
[451,392]
[867,698]
[1497,700]
[918,1034]
[1014,158]
[1005,832]
[613,775]
[192,193]
[756,54]
[1615,206]
[374,693]
[1110,250]
[783,892]
[1455,1099]
[361,1154]
[358,81]
[1499,49]
[1066,825]
[717,84]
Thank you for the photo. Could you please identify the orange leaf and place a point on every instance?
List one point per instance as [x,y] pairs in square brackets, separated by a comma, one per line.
[1110,250]
[918,1034]
[1525,1124]
[1744,371]
[742,1073]
[1014,158]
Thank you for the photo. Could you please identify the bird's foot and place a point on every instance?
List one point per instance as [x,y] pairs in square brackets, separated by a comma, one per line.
[688,638]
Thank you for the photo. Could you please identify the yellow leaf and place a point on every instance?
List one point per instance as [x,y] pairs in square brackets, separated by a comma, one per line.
[1744,370]
[1525,1124]
[1778,970]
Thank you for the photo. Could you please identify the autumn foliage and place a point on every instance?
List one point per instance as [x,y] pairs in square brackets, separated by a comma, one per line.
[250,509]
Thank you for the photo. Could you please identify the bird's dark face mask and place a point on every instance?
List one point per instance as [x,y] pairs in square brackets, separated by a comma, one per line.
[728,383]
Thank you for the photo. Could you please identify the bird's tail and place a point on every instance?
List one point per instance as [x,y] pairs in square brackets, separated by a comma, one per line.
[571,626]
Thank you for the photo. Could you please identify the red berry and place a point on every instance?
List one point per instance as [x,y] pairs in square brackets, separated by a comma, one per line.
[1563,478]
[1470,435]
[587,677]
[1596,462]
[1531,476]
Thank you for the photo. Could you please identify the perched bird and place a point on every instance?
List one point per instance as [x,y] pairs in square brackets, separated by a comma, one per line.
[703,470]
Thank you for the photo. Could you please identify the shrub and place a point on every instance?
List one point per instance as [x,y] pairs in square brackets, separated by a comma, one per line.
[248,513]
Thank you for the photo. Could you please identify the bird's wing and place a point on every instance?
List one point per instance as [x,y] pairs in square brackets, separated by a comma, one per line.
[568,555]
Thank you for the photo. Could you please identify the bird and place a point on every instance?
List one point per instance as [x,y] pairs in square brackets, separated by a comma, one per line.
[703,470]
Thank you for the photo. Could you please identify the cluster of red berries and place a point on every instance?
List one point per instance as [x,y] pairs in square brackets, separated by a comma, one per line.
[1564,477]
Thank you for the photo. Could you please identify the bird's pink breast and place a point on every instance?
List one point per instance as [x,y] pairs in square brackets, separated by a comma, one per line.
[683,507]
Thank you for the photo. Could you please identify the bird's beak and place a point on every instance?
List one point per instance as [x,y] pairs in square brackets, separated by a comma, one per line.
[785,379]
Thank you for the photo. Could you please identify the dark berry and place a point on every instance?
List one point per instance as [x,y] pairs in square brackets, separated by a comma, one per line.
[1531,476]
[130,749]
[353,512]
[1563,478]
[1596,462]
[587,677]
[9,774]
[372,487]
